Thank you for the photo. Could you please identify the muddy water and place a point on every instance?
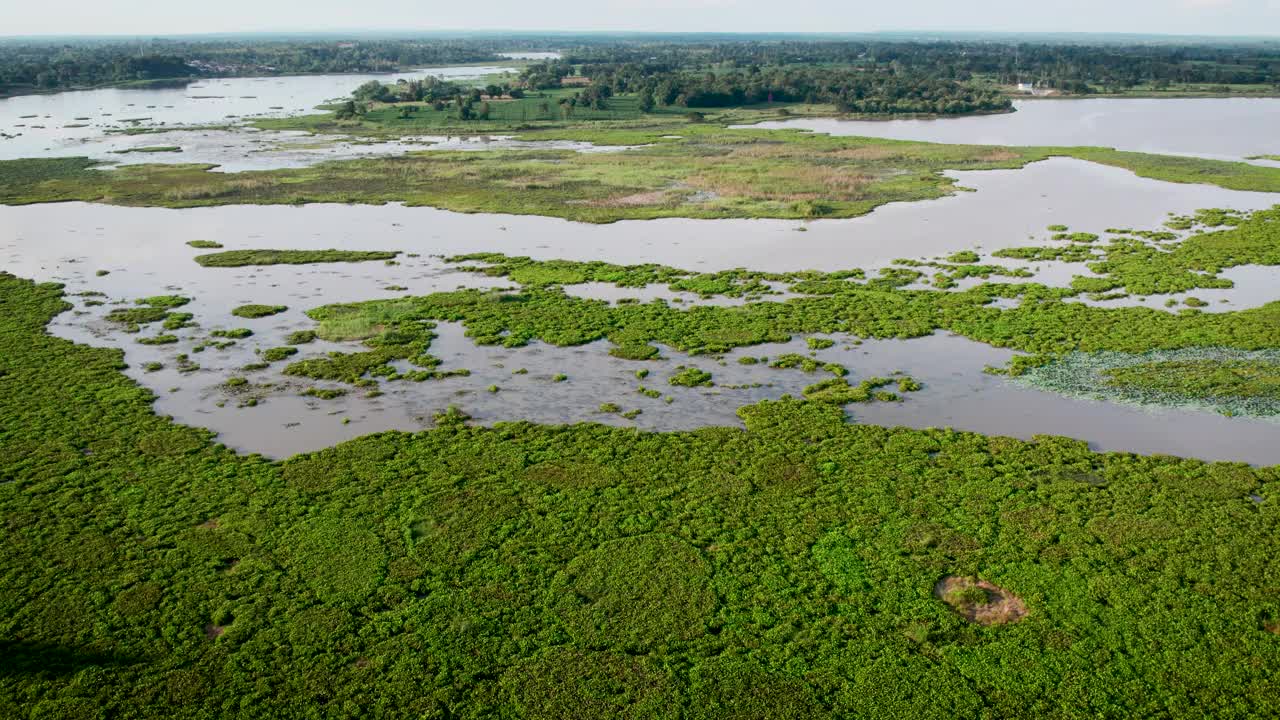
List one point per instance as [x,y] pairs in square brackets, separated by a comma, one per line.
[1229,128]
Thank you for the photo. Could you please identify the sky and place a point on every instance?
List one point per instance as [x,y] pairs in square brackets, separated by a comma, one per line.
[152,17]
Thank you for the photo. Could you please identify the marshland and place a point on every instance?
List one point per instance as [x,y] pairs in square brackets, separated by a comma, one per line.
[669,377]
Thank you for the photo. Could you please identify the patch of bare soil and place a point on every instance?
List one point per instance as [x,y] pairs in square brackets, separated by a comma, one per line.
[980,601]
[655,197]
[1272,627]
[211,524]
[213,632]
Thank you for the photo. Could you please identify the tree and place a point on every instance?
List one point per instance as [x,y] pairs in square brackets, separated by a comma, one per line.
[346,111]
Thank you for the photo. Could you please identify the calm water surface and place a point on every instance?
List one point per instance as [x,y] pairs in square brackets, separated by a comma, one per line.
[1231,128]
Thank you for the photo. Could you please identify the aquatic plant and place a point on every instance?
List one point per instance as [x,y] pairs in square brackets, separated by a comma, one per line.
[158,340]
[204,244]
[258,311]
[243,258]
[324,393]
[278,353]
[691,377]
[233,333]
[1232,382]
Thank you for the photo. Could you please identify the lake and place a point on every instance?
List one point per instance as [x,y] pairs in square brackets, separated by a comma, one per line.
[1227,128]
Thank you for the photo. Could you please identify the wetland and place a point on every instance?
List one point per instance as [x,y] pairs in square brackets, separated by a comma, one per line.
[659,414]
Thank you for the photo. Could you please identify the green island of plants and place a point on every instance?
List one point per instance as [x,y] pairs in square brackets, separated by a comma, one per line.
[149,149]
[800,567]
[252,311]
[243,258]
[708,171]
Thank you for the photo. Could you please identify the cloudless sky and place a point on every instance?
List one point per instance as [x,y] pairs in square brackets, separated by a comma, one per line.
[158,17]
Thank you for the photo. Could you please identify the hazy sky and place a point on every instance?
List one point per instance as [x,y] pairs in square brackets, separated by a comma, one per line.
[152,17]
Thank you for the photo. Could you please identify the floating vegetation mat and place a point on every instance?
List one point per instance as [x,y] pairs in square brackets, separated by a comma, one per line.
[1231,382]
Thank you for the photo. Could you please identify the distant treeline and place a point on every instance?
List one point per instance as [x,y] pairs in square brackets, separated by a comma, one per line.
[871,89]
[1077,68]
[904,71]
[26,67]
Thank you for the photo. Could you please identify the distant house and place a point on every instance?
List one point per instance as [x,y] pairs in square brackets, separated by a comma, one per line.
[574,81]
[1036,90]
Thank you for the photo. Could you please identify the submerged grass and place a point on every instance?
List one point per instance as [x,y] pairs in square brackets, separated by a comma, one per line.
[784,570]
[1231,382]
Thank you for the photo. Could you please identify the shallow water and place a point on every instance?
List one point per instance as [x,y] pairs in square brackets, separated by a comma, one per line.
[244,149]
[1009,208]
[1233,128]
[213,101]
[145,253]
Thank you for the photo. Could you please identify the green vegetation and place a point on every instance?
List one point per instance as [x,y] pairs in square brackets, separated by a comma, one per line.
[1043,320]
[178,321]
[242,258]
[205,244]
[41,66]
[590,571]
[158,340]
[1275,158]
[1231,382]
[150,149]
[301,337]
[691,377]
[137,315]
[707,172]
[164,301]
[258,311]
[278,353]
[324,393]
[1146,264]
[234,333]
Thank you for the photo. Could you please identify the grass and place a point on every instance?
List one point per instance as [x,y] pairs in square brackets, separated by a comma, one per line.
[149,149]
[204,244]
[784,570]
[708,172]
[245,258]
[258,311]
